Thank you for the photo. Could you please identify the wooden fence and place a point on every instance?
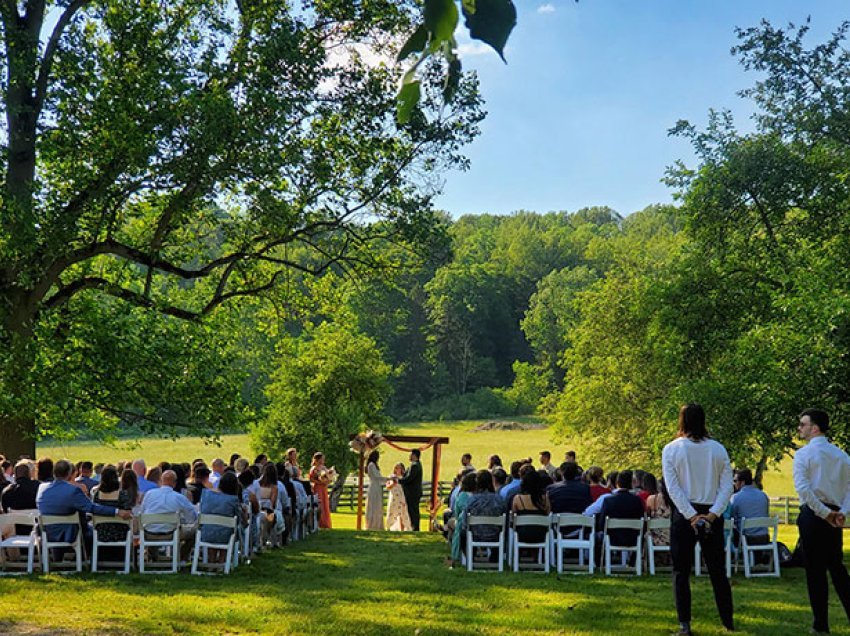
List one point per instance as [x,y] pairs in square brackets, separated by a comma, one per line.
[348,498]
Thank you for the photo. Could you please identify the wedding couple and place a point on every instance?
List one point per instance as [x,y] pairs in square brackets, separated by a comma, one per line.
[405,488]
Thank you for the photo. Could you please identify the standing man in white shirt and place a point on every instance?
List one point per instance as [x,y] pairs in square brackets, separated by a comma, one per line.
[822,481]
[698,476]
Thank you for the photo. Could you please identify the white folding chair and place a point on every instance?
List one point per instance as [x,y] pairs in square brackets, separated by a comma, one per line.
[542,548]
[748,552]
[166,524]
[314,516]
[728,524]
[126,542]
[45,521]
[580,526]
[609,547]
[267,534]
[653,548]
[472,544]
[229,546]
[29,543]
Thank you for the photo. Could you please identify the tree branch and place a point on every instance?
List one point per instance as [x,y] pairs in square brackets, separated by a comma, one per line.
[50,50]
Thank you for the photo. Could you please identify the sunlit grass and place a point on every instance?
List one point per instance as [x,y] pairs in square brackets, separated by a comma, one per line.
[347,582]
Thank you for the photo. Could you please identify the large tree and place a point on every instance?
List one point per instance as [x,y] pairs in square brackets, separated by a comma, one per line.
[173,157]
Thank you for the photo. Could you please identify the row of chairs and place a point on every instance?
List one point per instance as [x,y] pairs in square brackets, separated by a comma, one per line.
[575,534]
[142,542]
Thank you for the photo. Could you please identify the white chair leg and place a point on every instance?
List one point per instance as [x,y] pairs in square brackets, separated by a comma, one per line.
[79,550]
[94,555]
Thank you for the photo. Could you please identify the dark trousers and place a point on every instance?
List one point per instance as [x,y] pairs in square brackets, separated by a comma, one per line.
[683,539]
[413,510]
[822,553]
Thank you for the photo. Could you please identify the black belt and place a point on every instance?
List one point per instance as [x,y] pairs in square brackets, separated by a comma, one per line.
[832,507]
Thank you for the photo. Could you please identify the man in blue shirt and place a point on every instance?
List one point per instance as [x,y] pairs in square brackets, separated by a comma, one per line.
[141,470]
[749,502]
[60,497]
[85,477]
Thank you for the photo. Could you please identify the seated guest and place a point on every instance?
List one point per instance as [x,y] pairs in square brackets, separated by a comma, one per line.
[648,487]
[108,493]
[485,502]
[154,476]
[232,462]
[597,488]
[130,485]
[569,495]
[224,502]
[513,485]
[141,470]
[218,467]
[494,462]
[180,485]
[531,500]
[547,465]
[621,504]
[241,465]
[200,481]
[500,478]
[165,499]
[525,468]
[467,488]
[747,503]
[85,476]
[98,469]
[456,490]
[63,498]
[8,472]
[570,456]
[659,506]
[21,494]
[44,468]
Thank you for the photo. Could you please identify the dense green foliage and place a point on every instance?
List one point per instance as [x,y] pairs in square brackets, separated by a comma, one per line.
[162,161]
[330,384]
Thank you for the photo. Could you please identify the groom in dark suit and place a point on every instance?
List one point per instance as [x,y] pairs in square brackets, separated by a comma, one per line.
[411,483]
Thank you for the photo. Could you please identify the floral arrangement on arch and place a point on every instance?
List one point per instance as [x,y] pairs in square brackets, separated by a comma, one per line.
[364,442]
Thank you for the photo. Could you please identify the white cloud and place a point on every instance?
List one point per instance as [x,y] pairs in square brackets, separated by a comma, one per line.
[470,49]
[546,8]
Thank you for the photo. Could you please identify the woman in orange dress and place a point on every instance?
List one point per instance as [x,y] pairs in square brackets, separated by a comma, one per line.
[319,478]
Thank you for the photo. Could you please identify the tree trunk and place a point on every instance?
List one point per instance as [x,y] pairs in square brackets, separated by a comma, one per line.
[760,468]
[17,437]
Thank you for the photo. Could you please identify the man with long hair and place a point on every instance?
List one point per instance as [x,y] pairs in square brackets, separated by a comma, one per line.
[699,479]
[822,481]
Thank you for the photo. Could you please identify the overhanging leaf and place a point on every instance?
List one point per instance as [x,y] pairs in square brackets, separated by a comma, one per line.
[407,99]
[492,22]
[441,18]
[415,43]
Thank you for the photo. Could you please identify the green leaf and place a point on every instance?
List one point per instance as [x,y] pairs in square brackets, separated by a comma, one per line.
[492,22]
[415,43]
[407,99]
[441,18]
[452,80]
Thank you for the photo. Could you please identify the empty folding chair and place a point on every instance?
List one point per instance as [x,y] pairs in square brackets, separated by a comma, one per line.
[212,522]
[653,548]
[314,510]
[610,546]
[748,551]
[574,532]
[104,525]
[497,544]
[728,524]
[531,524]
[159,531]
[71,527]
[28,542]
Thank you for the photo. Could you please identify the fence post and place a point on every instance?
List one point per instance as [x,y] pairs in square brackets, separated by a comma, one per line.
[787,510]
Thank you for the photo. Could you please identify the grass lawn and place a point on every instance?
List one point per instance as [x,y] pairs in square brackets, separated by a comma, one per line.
[508,445]
[347,582]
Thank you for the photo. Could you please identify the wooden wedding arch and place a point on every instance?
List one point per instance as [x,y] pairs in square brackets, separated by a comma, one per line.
[394,441]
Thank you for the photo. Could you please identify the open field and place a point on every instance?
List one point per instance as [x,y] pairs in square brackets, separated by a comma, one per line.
[347,582]
[507,444]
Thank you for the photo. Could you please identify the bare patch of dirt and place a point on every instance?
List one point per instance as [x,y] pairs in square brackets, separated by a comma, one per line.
[497,425]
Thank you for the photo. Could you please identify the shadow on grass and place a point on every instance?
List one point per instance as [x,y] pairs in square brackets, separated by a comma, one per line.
[350,582]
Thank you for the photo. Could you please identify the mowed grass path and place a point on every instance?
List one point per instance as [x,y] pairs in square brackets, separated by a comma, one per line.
[347,582]
[509,445]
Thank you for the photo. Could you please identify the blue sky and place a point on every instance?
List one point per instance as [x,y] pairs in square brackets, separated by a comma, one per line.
[579,115]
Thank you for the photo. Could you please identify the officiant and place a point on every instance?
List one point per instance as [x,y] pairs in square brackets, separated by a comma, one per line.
[411,483]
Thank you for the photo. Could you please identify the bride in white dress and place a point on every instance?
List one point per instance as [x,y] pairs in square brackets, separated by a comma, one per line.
[397,517]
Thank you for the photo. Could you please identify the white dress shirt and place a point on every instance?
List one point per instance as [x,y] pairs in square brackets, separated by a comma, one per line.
[822,475]
[166,499]
[697,473]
